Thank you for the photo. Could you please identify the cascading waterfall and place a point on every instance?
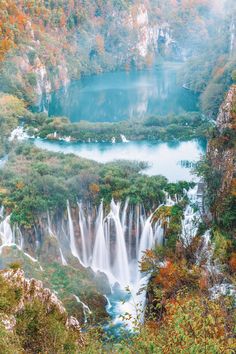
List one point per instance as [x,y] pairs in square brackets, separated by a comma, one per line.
[112,242]
[147,238]
[73,247]
[13,237]
[6,233]
[232,36]
[124,214]
[118,240]
[100,250]
[84,233]
[137,223]
[63,260]
[50,231]
[18,237]
[121,264]
[86,310]
[191,218]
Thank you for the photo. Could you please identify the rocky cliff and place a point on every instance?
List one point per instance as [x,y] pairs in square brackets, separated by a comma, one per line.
[221,174]
[60,41]
[32,317]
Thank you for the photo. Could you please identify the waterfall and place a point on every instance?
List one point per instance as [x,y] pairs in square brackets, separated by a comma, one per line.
[51,233]
[1,212]
[129,233]
[159,234]
[3,161]
[72,234]
[8,238]
[147,238]
[118,240]
[191,218]
[232,36]
[137,223]
[108,302]
[84,234]
[63,260]
[6,233]
[86,310]
[123,138]
[113,243]
[121,264]
[124,213]
[100,251]
[205,250]
[19,237]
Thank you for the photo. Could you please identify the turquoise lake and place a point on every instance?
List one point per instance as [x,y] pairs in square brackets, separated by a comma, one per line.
[120,95]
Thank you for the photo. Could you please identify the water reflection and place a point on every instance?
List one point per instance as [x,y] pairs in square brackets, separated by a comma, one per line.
[119,95]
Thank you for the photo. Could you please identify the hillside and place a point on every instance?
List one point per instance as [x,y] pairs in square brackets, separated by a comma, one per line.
[33,319]
[103,251]
[46,44]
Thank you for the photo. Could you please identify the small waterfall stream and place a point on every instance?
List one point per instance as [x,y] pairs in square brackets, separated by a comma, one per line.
[12,237]
[72,234]
[84,232]
[86,310]
[100,256]
[192,217]
[232,37]
[6,232]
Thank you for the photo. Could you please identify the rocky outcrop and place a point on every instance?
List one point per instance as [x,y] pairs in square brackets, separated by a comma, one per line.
[221,149]
[53,54]
[151,35]
[31,290]
[227,113]
[221,157]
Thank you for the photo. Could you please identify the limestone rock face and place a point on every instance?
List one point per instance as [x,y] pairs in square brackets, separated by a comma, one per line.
[117,37]
[226,117]
[31,290]
[222,154]
[223,158]
[8,321]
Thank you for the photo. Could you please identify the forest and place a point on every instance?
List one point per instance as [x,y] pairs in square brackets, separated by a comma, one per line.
[100,254]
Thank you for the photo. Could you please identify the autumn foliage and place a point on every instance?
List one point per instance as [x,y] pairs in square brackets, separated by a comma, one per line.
[12,24]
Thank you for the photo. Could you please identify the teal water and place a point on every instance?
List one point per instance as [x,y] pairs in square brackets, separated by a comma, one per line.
[163,158]
[120,95]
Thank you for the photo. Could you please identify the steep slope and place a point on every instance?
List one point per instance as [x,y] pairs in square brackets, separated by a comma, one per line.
[218,169]
[32,319]
[45,44]
[221,176]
